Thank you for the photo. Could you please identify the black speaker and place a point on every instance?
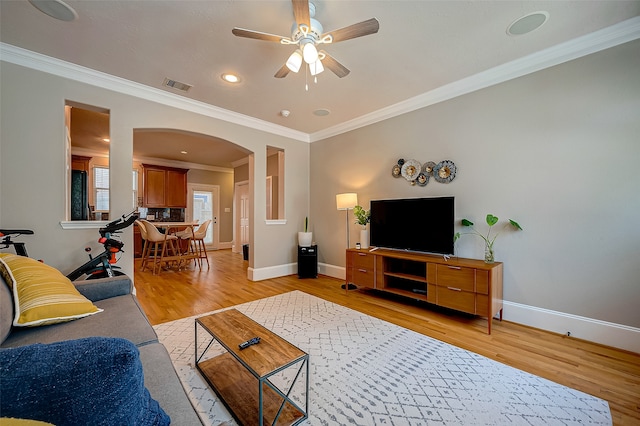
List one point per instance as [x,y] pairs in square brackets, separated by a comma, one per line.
[308,262]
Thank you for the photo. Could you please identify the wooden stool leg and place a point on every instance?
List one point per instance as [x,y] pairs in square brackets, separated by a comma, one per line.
[204,252]
[155,256]
[145,249]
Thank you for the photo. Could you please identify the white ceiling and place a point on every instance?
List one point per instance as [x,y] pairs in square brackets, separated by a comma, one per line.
[421,46]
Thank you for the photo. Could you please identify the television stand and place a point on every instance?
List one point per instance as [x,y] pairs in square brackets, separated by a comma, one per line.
[466,285]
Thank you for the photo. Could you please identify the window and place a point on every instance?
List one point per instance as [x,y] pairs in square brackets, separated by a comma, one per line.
[87,151]
[275,184]
[101,188]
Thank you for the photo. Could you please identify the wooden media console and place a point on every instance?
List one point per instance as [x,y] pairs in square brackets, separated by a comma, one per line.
[466,285]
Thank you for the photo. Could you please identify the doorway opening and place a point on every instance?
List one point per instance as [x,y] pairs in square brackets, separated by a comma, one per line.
[203,203]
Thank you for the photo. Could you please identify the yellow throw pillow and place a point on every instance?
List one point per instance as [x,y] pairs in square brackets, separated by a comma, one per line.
[41,294]
[8,421]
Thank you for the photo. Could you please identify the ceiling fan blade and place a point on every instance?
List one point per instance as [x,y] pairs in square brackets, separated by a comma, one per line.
[370,26]
[336,67]
[282,72]
[241,32]
[301,12]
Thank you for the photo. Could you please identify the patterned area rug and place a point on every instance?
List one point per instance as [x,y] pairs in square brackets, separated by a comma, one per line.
[365,371]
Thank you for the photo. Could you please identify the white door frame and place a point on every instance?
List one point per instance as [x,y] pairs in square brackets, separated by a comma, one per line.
[237,245]
[215,191]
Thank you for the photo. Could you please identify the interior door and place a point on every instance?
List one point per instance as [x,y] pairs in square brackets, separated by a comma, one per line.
[244,218]
[243,205]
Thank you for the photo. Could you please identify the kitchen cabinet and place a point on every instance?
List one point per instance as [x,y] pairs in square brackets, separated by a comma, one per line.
[164,187]
[79,162]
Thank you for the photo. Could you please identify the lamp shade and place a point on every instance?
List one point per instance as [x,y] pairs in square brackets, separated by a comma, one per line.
[295,61]
[309,53]
[316,68]
[346,201]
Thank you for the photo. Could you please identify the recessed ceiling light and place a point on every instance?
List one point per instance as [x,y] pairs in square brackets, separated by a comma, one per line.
[106,140]
[528,23]
[321,112]
[230,78]
[56,9]
[183,152]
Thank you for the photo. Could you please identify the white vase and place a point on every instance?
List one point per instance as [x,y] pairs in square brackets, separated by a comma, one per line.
[364,238]
[305,239]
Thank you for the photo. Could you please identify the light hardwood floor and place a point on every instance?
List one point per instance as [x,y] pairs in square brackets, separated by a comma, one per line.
[608,373]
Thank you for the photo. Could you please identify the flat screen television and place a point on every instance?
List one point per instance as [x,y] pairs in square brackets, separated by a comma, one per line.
[413,224]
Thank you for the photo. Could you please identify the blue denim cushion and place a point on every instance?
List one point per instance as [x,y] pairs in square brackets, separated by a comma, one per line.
[95,381]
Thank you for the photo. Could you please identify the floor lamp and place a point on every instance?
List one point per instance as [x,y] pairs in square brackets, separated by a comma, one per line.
[346,202]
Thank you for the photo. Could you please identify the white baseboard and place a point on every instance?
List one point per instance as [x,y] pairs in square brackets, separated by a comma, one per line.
[593,330]
[258,274]
[225,245]
[339,272]
[597,331]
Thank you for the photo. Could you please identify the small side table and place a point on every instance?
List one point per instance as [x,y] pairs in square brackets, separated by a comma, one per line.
[308,262]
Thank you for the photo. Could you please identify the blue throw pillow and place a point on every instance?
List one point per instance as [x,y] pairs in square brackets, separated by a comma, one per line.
[95,381]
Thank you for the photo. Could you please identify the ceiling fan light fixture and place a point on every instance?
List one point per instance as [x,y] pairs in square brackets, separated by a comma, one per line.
[309,53]
[295,61]
[316,67]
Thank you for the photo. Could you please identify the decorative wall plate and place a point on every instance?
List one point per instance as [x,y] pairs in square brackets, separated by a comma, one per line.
[411,169]
[419,174]
[428,168]
[423,179]
[445,171]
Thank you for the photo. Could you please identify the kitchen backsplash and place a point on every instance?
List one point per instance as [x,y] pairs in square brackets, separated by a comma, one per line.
[160,214]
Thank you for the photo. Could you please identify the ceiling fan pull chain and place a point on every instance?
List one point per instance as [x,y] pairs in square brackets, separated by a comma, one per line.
[306,78]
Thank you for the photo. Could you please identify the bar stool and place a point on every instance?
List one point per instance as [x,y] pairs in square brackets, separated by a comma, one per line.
[145,243]
[196,244]
[198,239]
[160,242]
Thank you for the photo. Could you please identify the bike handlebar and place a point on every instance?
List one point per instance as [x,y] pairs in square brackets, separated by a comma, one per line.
[116,225]
[6,232]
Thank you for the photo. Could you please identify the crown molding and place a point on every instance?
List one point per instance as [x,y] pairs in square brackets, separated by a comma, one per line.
[181,164]
[40,62]
[88,152]
[240,162]
[612,36]
[605,38]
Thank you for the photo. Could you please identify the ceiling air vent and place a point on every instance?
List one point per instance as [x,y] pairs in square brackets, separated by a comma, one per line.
[177,85]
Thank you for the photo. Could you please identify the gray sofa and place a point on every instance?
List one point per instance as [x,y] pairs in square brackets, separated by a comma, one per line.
[122,317]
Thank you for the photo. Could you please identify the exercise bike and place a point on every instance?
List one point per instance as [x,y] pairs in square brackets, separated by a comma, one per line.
[19,247]
[103,265]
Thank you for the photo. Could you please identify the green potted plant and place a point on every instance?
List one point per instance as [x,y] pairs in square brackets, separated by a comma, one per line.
[362,218]
[489,255]
[305,238]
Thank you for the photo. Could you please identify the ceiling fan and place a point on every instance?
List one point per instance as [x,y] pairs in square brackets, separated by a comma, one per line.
[307,34]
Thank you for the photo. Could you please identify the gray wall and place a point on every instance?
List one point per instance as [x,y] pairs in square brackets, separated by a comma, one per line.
[557,151]
[32,164]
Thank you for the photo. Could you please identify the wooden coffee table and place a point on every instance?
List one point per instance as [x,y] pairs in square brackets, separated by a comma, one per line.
[244,379]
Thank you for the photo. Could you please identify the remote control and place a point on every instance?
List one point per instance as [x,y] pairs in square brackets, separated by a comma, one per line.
[245,345]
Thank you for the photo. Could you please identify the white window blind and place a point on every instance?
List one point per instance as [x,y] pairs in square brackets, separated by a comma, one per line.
[101,185]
